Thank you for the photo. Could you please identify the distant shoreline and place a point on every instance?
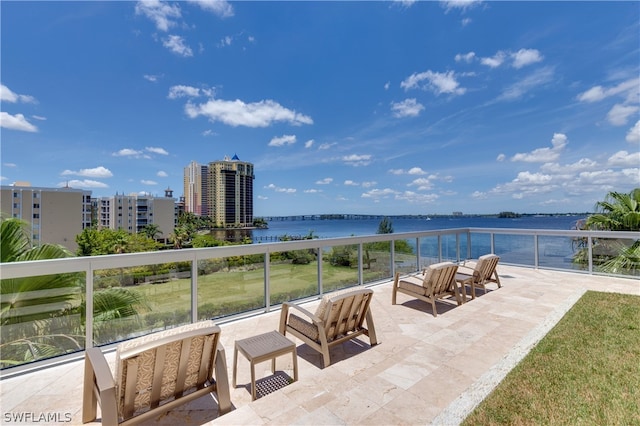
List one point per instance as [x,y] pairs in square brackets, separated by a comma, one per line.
[346,216]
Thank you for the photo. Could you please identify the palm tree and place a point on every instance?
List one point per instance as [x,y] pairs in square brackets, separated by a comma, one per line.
[151,230]
[31,308]
[618,212]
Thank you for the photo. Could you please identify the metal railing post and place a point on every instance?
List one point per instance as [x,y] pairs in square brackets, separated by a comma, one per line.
[267,283]
[194,289]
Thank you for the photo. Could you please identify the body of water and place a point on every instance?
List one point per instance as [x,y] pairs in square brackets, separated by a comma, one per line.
[333,228]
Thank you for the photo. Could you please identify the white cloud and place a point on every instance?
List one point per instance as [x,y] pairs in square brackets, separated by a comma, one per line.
[99,172]
[150,77]
[467,57]
[423,184]
[177,45]
[412,171]
[6,95]
[619,114]
[312,191]
[494,61]
[279,189]
[181,91]
[161,13]
[10,165]
[349,182]
[538,78]
[459,4]
[478,195]
[405,3]
[524,57]
[86,183]
[126,152]
[237,113]
[283,140]
[387,85]
[633,136]
[501,157]
[369,184]
[222,8]
[568,169]
[544,155]
[16,122]
[628,89]
[436,82]
[148,182]
[406,108]
[309,143]
[357,160]
[625,159]
[156,150]
[325,181]
[380,193]
[325,146]
[162,173]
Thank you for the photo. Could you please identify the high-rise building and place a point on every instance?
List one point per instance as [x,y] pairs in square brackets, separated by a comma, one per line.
[132,212]
[195,189]
[224,187]
[55,215]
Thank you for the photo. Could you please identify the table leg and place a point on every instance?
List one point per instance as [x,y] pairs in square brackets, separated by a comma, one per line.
[295,365]
[253,381]
[235,364]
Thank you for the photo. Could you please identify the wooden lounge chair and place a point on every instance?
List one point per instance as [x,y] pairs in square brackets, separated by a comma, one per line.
[156,373]
[435,282]
[339,317]
[483,273]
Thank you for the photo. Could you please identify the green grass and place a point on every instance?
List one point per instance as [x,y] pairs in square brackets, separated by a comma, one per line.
[585,371]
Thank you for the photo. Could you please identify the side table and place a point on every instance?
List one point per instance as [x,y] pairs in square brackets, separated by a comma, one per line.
[263,347]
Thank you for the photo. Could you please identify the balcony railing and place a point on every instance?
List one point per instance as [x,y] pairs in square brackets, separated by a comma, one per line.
[54,309]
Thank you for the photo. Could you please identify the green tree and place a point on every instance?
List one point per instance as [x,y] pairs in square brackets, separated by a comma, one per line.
[385,226]
[95,242]
[151,230]
[617,212]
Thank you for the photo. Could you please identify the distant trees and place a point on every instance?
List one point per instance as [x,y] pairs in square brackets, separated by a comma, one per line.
[95,242]
[385,226]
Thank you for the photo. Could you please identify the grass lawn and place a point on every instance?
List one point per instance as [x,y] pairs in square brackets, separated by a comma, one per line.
[585,371]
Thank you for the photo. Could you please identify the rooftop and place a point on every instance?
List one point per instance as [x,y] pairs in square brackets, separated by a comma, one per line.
[425,370]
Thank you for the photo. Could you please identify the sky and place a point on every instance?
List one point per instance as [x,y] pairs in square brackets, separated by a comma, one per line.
[388,107]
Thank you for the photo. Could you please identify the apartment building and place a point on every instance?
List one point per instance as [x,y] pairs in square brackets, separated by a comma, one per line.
[132,212]
[226,191]
[55,215]
[196,178]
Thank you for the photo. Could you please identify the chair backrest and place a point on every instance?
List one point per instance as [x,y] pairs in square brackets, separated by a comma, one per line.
[439,277]
[485,267]
[159,367]
[344,311]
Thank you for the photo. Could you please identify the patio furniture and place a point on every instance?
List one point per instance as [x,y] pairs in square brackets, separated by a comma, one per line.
[156,373]
[436,282]
[267,346]
[338,318]
[483,273]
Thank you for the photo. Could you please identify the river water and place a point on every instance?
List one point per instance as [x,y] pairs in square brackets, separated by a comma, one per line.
[333,228]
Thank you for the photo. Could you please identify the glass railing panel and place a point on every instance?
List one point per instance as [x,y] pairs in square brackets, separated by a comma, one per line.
[449,248]
[339,267]
[42,317]
[556,252]
[230,285]
[515,249]
[405,256]
[616,256]
[129,302]
[376,260]
[293,275]
[429,253]
[480,245]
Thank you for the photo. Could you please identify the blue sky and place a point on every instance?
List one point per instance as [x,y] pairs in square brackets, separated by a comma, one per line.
[343,107]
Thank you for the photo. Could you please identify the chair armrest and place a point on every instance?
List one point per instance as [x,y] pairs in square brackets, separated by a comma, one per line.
[99,387]
[222,381]
[288,305]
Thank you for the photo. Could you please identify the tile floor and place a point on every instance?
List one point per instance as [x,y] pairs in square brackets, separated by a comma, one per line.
[425,370]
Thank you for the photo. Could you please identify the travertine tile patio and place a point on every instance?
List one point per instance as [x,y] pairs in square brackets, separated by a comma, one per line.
[425,370]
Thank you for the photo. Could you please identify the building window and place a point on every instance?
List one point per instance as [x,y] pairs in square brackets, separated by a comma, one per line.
[36,205]
[36,195]
[36,215]
[16,195]
[16,205]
